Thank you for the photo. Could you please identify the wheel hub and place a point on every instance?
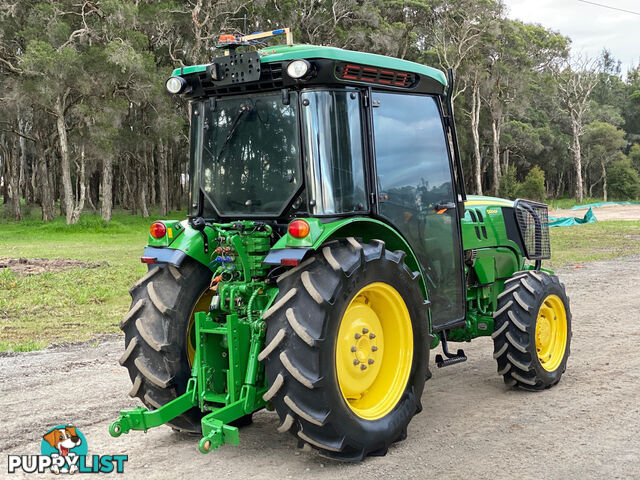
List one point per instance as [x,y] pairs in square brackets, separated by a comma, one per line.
[551,333]
[374,350]
[362,344]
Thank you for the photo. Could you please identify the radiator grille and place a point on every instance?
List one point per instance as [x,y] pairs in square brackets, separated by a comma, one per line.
[533,222]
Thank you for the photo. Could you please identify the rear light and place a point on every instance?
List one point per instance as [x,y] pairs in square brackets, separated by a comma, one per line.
[299,229]
[289,262]
[158,230]
[148,260]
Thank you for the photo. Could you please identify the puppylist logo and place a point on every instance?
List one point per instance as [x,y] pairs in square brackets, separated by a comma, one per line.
[64,450]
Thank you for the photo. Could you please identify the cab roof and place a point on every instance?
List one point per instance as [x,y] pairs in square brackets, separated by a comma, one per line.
[280,53]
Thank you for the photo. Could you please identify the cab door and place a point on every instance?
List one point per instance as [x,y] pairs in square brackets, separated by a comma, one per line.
[416,194]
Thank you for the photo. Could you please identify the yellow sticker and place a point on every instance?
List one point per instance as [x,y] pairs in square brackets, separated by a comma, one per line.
[170,232]
[491,211]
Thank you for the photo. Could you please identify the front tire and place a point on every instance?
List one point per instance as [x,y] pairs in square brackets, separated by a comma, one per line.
[157,345]
[532,330]
[334,317]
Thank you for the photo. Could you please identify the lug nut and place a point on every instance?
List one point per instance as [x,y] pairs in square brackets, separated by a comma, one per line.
[357,336]
[370,361]
[365,331]
[372,336]
[363,367]
[356,361]
[374,349]
[354,349]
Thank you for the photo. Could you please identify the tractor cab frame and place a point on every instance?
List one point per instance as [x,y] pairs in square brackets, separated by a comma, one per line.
[329,139]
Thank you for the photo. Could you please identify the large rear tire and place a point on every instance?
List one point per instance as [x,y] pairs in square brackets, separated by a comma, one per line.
[335,316]
[532,330]
[157,346]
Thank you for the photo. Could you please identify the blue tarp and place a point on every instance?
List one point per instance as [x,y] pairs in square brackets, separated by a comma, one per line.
[589,217]
[601,204]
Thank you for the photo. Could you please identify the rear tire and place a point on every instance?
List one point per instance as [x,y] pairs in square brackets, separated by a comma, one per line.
[302,341]
[156,336]
[532,330]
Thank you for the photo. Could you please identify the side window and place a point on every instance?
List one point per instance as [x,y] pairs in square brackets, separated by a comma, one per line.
[415,187]
[332,129]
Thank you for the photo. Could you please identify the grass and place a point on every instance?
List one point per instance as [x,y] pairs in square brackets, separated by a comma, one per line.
[76,304]
[82,303]
[594,241]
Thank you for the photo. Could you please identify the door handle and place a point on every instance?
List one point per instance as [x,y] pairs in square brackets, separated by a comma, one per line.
[443,207]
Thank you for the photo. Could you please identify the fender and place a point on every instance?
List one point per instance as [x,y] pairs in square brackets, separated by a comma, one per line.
[185,241]
[188,242]
[362,227]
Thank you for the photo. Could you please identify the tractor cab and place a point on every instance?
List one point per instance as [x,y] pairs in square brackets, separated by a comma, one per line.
[297,131]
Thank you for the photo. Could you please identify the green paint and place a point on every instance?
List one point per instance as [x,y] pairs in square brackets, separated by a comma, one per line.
[227,380]
[281,53]
[174,230]
[316,228]
[477,325]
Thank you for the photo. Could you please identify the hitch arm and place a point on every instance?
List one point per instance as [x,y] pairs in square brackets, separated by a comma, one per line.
[142,419]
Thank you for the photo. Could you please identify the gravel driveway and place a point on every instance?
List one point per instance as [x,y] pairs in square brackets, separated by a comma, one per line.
[472,425]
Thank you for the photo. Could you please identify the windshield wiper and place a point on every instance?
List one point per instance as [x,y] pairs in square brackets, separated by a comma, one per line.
[243,109]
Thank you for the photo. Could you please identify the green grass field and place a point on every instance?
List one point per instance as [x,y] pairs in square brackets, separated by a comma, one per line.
[76,304]
[82,303]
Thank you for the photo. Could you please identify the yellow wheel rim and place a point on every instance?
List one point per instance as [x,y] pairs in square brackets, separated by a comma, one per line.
[202,305]
[374,351]
[551,333]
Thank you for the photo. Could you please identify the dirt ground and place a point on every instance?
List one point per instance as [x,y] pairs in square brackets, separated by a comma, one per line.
[472,426]
[606,212]
[34,266]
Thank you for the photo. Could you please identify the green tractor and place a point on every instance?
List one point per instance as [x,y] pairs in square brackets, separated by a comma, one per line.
[329,247]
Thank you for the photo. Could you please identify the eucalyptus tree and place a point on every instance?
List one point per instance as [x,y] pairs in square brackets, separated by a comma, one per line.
[515,55]
[575,82]
[603,144]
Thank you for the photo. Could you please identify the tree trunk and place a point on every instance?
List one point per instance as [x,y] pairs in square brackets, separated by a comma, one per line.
[33,185]
[92,205]
[152,177]
[75,216]
[142,186]
[13,181]
[107,190]
[94,188]
[475,127]
[47,199]
[67,188]
[163,181]
[5,175]
[559,187]
[495,128]
[577,162]
[604,181]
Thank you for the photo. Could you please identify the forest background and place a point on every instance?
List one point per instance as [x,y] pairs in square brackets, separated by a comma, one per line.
[86,123]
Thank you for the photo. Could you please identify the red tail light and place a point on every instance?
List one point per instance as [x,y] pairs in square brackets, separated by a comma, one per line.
[299,229]
[158,230]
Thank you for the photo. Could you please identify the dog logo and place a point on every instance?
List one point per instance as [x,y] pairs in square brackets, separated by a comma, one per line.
[63,450]
[66,442]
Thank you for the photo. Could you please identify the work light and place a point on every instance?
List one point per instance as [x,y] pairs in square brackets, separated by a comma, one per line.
[176,84]
[298,68]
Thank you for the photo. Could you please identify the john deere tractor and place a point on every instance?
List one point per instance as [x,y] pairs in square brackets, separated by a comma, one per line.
[329,247]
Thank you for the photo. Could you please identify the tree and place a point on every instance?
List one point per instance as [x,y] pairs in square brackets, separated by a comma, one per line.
[516,54]
[602,142]
[575,83]
[533,186]
[624,181]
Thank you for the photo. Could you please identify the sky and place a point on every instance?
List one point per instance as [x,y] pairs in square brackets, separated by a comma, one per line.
[590,27]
